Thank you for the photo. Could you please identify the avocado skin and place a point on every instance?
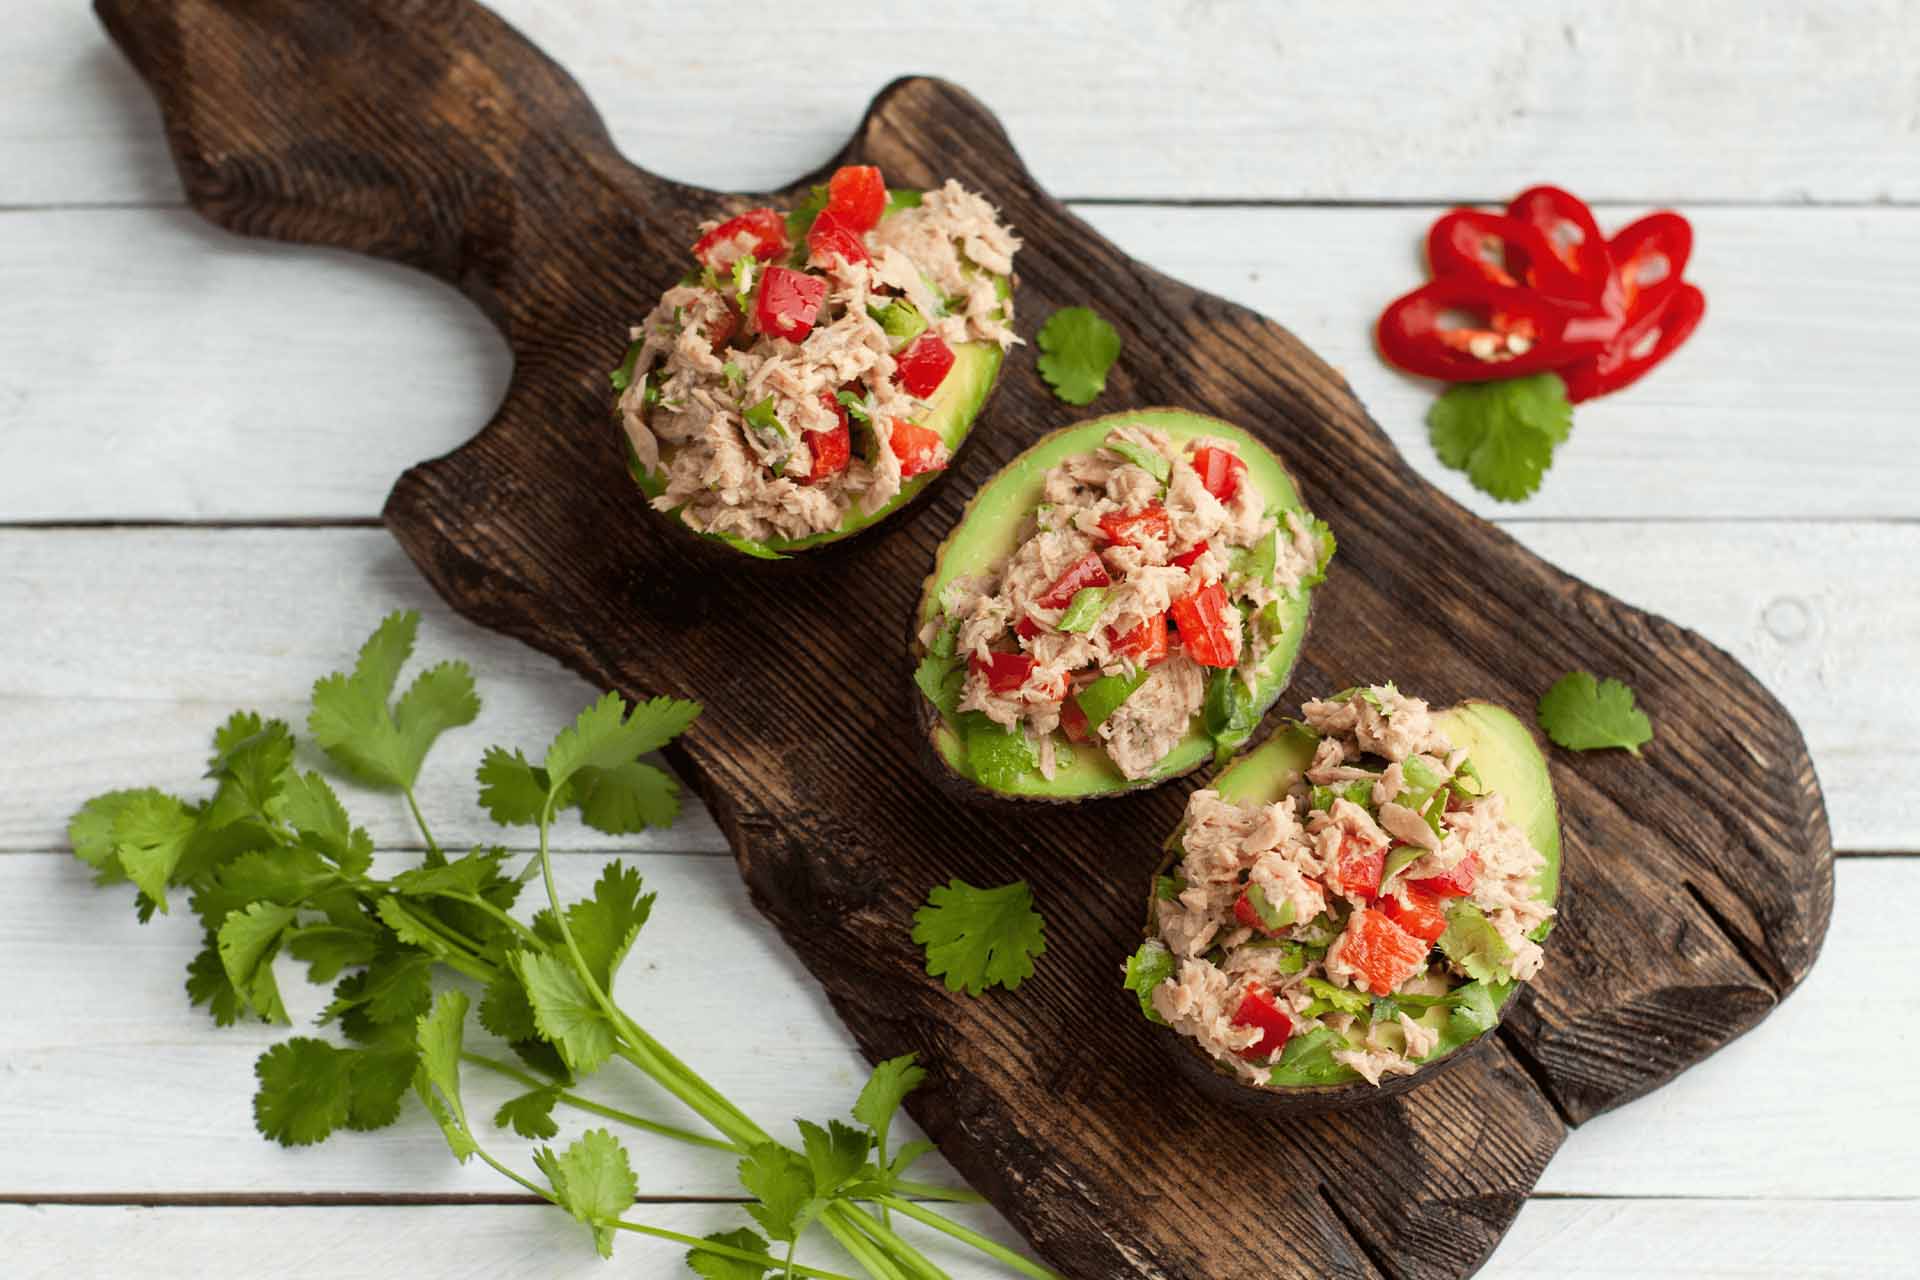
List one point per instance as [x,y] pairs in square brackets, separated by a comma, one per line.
[1478,722]
[927,720]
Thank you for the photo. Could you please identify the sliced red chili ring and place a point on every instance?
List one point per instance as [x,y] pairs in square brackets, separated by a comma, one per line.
[1649,257]
[1518,332]
[1567,226]
[1644,342]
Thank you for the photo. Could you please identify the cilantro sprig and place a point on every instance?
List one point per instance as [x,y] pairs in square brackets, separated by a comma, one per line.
[1583,713]
[980,938]
[1502,434]
[272,864]
[1077,348]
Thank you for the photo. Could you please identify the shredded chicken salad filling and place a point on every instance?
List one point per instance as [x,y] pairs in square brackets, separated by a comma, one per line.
[786,379]
[1147,579]
[1376,915]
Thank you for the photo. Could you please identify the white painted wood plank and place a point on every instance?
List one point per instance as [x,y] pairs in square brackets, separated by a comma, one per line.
[115,1085]
[1708,1240]
[1394,100]
[422,1242]
[122,650]
[125,647]
[170,371]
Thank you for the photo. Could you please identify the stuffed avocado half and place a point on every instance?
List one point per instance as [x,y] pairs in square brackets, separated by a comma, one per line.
[1351,905]
[1122,603]
[817,369]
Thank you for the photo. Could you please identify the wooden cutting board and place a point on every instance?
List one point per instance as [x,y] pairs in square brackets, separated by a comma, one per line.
[1700,877]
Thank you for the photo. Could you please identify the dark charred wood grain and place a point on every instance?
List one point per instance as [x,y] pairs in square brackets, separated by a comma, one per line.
[428,132]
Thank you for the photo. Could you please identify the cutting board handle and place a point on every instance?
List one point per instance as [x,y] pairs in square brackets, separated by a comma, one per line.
[277,130]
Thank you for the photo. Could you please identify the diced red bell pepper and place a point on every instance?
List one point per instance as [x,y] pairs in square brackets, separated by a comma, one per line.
[1146,644]
[1219,470]
[1087,571]
[787,301]
[1360,869]
[1005,672]
[1424,915]
[1202,620]
[834,237]
[1571,235]
[831,449]
[1073,722]
[1257,1009]
[1511,331]
[1454,883]
[857,195]
[1186,558]
[1133,530]
[1644,342]
[767,229]
[1649,257]
[920,449]
[722,330]
[1027,628]
[1381,951]
[923,366]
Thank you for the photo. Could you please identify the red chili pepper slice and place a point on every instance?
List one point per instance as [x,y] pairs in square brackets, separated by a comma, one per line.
[1133,530]
[834,237]
[1257,1010]
[1186,558]
[1649,257]
[1644,342]
[1500,250]
[1516,331]
[1087,571]
[857,195]
[1219,471]
[832,450]
[923,366]
[1202,620]
[787,301]
[767,229]
[1146,644]
[1567,226]
[920,449]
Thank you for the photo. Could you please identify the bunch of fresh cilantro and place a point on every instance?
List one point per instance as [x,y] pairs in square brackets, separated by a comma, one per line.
[272,864]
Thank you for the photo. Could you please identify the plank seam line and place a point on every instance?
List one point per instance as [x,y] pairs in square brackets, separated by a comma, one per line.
[1374,1256]
[449,1200]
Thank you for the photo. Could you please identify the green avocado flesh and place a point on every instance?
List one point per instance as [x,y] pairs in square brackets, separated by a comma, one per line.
[989,531]
[1503,752]
[951,411]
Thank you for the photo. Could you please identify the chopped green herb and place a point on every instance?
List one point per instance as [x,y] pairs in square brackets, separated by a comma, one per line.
[1473,945]
[1308,1059]
[1168,888]
[900,319]
[899,198]
[1340,998]
[622,378]
[1152,461]
[1083,610]
[1228,713]
[1147,968]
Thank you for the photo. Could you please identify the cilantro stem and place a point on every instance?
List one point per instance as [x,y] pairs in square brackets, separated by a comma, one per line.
[475,900]
[860,1249]
[579,1103]
[420,821]
[641,1050]
[889,1240]
[993,1249]
[723,1250]
[792,1245]
[461,954]
[930,1191]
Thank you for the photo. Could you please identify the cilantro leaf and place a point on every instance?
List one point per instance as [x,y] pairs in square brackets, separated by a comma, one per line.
[1077,349]
[530,1114]
[979,938]
[90,832]
[382,745]
[782,1183]
[311,808]
[438,1034]
[1152,461]
[208,984]
[379,1080]
[467,877]
[1502,434]
[605,925]
[834,1154]
[505,1010]
[326,949]
[256,767]
[881,1096]
[626,798]
[150,835]
[714,1266]
[305,1091]
[1582,713]
[593,1181]
[605,736]
[1147,968]
[1308,1059]
[248,942]
[941,680]
[511,790]
[564,1010]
